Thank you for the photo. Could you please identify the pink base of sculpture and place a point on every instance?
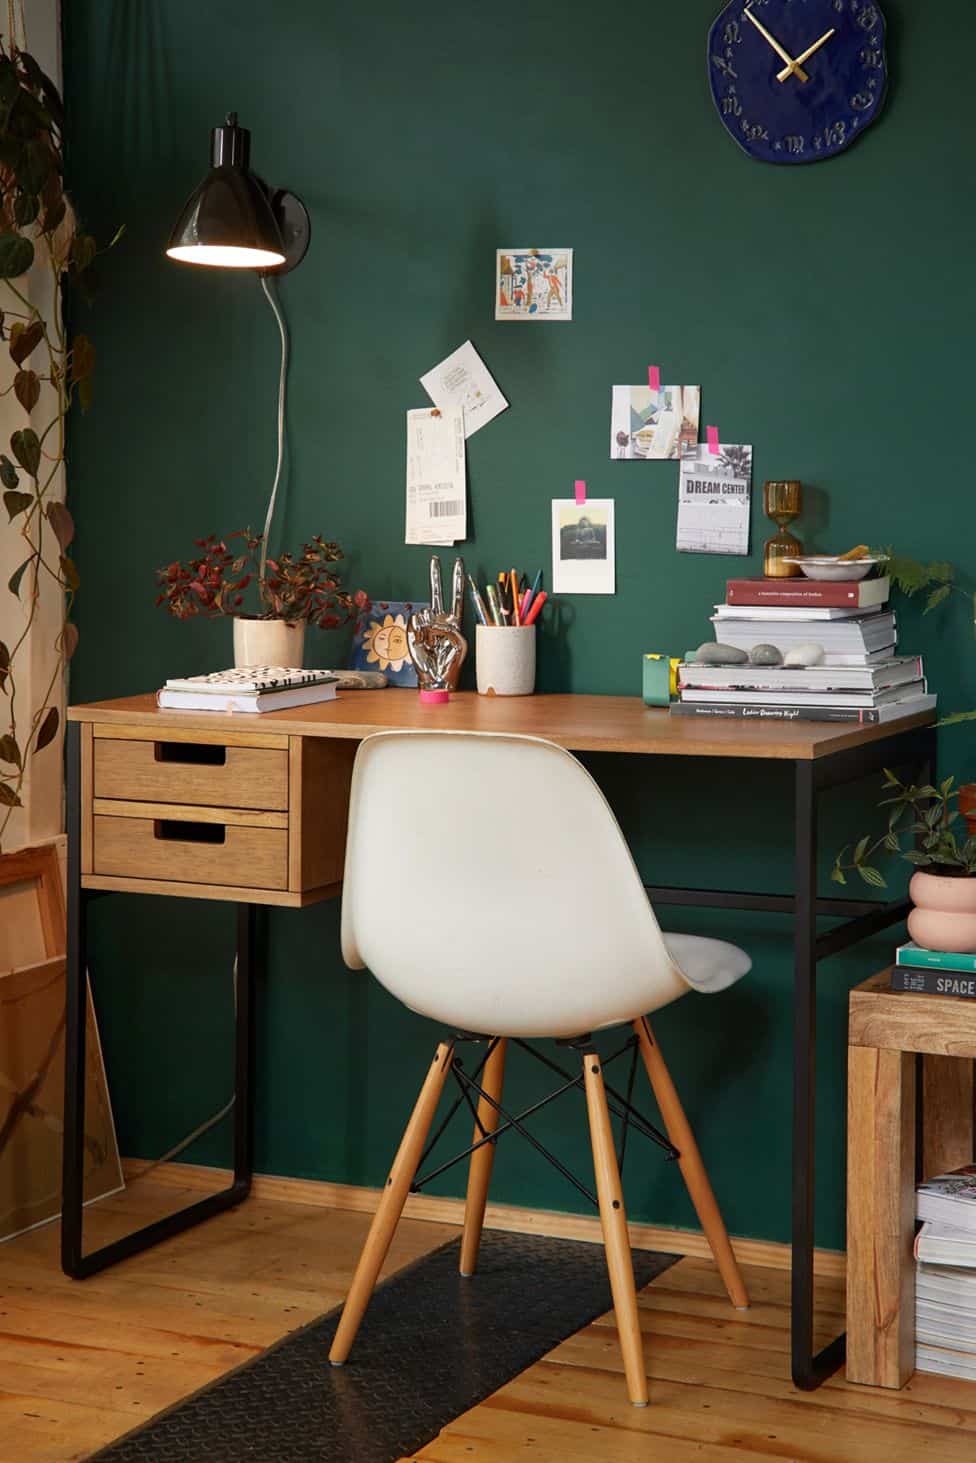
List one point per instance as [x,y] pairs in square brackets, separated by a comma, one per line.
[435,698]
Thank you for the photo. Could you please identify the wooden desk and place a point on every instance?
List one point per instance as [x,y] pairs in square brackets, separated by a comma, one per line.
[157,800]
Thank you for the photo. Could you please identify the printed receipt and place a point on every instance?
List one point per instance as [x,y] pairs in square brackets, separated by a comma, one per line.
[436,499]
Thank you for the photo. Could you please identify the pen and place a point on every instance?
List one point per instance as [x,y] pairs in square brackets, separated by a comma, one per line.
[532,592]
[478,602]
[496,613]
[515,598]
[537,604]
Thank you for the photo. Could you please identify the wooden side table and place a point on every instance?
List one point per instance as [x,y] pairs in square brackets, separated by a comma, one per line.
[887,1029]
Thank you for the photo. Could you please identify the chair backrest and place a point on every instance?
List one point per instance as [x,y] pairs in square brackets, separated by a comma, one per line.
[488,886]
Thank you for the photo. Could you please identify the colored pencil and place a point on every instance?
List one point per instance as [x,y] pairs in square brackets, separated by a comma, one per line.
[515,597]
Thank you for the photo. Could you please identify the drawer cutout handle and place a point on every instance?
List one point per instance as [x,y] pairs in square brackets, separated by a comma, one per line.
[173,829]
[200,754]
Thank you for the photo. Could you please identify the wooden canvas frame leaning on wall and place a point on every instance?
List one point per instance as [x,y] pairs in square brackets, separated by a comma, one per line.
[32,1028]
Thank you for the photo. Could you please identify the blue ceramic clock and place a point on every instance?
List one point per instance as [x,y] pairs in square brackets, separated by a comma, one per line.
[797,81]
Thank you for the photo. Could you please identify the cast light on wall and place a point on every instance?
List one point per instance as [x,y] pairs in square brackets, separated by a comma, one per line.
[233,220]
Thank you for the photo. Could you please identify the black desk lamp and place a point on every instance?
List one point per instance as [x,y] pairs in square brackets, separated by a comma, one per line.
[233,220]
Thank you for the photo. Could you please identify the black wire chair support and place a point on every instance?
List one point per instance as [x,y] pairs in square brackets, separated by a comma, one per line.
[469,1084]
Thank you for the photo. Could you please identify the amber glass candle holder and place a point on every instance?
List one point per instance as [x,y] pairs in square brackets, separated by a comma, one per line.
[782,502]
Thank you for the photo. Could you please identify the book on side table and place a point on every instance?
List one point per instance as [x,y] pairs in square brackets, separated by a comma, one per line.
[934,972]
[945,1275]
[249,689]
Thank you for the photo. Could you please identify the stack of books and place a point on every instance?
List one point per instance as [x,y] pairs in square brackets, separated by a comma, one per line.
[934,972]
[861,677]
[945,1275]
[252,689]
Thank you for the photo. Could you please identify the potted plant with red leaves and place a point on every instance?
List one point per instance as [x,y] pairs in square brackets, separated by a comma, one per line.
[294,590]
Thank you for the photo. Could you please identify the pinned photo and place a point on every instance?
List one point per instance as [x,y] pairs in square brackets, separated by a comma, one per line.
[583,550]
[648,424]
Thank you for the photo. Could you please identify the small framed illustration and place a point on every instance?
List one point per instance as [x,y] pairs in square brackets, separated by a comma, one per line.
[533,284]
[379,641]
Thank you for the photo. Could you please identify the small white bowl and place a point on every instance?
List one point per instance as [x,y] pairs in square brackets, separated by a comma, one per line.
[824,566]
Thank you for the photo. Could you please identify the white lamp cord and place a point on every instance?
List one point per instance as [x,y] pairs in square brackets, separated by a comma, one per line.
[282,381]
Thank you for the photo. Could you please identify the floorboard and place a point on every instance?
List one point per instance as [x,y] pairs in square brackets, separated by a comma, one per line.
[81,1363]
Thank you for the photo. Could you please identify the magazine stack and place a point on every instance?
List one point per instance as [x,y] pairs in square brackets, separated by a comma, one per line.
[945,1275]
[803,649]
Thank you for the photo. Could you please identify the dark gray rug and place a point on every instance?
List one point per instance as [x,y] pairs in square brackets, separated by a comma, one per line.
[431,1346]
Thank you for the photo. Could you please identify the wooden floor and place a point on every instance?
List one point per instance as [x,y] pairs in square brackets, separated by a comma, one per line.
[81,1363]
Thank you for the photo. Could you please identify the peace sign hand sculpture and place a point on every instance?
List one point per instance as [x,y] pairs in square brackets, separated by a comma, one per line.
[434,639]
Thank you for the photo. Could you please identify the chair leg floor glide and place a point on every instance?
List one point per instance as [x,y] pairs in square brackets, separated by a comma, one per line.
[482,1160]
[678,1129]
[616,1239]
[391,1204]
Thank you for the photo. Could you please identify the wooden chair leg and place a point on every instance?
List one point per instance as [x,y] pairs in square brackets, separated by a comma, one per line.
[616,1239]
[391,1204]
[678,1129]
[479,1171]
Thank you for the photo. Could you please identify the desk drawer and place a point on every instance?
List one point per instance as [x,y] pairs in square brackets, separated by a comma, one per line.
[183,771]
[191,852]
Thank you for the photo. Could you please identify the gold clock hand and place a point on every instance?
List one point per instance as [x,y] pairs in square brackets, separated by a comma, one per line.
[793,67]
[810,51]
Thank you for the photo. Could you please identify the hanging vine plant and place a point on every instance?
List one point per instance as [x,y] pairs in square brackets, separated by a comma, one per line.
[38,231]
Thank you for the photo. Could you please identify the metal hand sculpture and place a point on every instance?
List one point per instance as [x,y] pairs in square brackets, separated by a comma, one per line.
[437,647]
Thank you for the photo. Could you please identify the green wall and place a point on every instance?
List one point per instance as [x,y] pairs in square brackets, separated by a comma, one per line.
[826,311]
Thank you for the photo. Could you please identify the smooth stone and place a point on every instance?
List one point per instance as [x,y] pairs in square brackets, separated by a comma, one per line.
[717,654]
[765,655]
[807,653]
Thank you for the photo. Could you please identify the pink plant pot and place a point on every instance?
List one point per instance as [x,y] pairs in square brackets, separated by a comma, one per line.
[944,917]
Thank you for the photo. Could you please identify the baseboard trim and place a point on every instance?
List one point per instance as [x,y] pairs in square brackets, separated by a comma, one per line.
[830,1264]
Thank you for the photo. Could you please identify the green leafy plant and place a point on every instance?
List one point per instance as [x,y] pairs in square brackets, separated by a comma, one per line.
[37,228]
[925,814]
[936,580]
[292,587]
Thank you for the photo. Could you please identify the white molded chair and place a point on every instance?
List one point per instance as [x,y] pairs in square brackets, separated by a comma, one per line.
[516,910]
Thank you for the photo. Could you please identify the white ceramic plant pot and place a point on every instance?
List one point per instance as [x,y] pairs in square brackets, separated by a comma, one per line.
[505,659]
[268,642]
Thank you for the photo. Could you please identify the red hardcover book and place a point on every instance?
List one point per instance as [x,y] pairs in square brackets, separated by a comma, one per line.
[861,594]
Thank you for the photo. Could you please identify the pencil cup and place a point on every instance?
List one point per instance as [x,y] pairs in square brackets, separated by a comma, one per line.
[505,660]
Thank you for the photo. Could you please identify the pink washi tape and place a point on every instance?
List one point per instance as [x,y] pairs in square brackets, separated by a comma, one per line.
[713,446]
[654,377]
[435,698]
[580,492]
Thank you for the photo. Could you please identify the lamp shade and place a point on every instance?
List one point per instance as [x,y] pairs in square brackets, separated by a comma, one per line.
[227,222]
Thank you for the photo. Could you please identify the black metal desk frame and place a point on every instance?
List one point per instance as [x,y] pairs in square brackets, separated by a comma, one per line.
[914,748]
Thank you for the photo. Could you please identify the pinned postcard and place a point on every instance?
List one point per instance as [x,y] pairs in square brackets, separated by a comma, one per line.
[714,500]
[648,424]
[583,551]
[436,499]
[533,284]
[462,379]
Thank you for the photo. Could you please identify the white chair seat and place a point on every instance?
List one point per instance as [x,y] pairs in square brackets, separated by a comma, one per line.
[707,965]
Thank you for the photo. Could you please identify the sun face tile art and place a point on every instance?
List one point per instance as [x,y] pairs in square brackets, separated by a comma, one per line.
[380,641]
